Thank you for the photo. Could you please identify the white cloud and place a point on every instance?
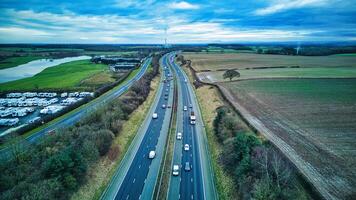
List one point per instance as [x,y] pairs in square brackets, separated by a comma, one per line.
[20,31]
[279,6]
[223,11]
[29,26]
[133,3]
[183,5]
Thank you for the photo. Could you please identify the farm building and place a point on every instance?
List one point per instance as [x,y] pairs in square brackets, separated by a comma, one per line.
[118,67]
[118,64]
[113,60]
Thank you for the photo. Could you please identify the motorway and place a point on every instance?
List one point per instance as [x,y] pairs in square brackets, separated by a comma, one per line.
[137,175]
[198,183]
[78,114]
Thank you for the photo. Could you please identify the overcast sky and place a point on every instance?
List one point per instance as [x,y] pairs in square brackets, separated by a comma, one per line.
[131,21]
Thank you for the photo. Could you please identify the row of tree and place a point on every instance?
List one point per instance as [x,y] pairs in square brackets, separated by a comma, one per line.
[308,50]
[58,165]
[259,171]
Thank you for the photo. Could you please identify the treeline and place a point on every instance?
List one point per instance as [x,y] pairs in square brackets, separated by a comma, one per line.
[57,166]
[309,50]
[232,46]
[259,171]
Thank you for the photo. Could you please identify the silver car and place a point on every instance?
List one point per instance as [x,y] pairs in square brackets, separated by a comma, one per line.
[187,167]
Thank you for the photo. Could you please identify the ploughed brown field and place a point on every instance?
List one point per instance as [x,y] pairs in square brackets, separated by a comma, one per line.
[312,121]
[219,61]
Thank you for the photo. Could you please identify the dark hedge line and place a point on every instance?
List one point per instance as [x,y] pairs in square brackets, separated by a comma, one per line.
[259,171]
[57,166]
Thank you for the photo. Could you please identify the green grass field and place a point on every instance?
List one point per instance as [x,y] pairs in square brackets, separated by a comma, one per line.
[68,75]
[15,61]
[317,72]
[318,90]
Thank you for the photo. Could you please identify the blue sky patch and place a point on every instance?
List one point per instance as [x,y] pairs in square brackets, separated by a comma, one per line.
[131,21]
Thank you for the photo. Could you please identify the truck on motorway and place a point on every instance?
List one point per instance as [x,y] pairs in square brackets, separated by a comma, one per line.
[192,118]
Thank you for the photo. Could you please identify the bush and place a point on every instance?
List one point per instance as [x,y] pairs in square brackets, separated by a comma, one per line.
[264,190]
[103,140]
[259,171]
[225,124]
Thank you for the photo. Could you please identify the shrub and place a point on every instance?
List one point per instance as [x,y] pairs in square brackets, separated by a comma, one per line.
[259,171]
[103,140]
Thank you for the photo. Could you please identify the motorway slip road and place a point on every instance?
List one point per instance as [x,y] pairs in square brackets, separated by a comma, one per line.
[198,182]
[137,175]
[75,115]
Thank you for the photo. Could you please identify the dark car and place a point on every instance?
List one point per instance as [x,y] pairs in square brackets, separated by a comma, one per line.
[187,166]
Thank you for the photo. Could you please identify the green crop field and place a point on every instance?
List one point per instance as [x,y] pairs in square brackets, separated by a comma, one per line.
[317,72]
[315,119]
[68,75]
[216,61]
[15,61]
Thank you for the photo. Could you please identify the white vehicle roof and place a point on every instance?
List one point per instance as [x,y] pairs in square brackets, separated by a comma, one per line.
[152,154]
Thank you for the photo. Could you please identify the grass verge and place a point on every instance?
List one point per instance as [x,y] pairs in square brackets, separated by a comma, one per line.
[100,175]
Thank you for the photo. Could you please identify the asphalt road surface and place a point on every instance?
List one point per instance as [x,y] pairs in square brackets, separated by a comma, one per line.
[196,183]
[137,174]
[74,117]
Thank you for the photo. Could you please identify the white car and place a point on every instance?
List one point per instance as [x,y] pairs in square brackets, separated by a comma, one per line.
[185,108]
[152,154]
[155,116]
[175,170]
[179,136]
[186,147]
[163,106]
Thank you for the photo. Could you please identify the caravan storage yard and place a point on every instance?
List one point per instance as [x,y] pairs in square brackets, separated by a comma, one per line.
[18,109]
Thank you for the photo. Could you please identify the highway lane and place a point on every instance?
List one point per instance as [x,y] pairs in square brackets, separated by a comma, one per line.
[136,168]
[192,184]
[75,116]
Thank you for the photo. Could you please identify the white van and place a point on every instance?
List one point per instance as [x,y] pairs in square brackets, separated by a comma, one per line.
[155,116]
[175,170]
[186,147]
[152,154]
[179,136]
